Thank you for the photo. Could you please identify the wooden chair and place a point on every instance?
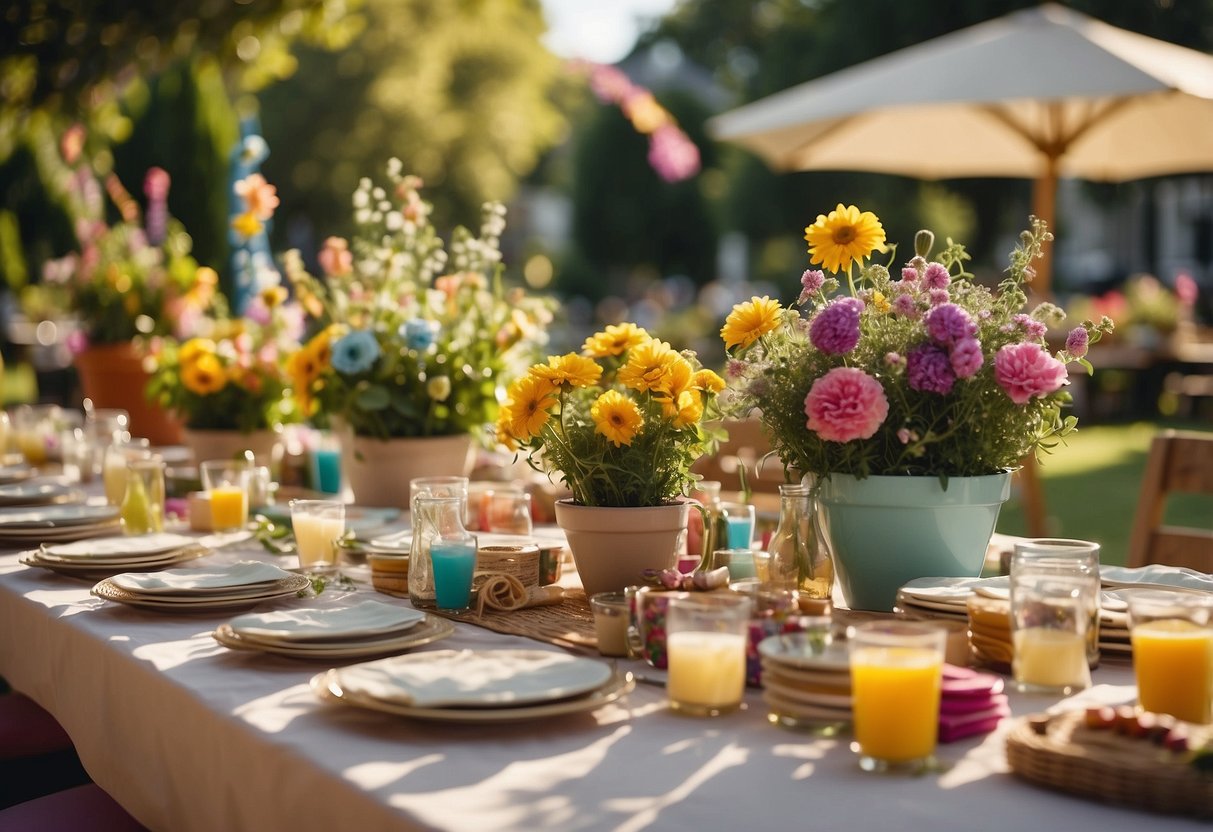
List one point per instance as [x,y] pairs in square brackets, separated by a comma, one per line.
[746,445]
[1178,462]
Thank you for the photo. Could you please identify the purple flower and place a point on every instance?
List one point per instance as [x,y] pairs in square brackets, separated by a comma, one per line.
[1077,341]
[966,358]
[905,306]
[835,330]
[948,324]
[936,276]
[909,274]
[939,297]
[929,370]
[1034,328]
[735,368]
[811,282]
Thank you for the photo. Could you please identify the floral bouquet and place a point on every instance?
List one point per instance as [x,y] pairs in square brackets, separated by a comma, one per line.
[924,372]
[414,340]
[133,278]
[621,423]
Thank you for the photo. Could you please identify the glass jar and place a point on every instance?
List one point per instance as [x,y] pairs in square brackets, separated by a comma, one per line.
[118,454]
[437,524]
[714,529]
[799,557]
[143,503]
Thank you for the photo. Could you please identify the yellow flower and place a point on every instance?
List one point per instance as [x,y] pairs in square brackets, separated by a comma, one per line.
[247,225]
[438,388]
[572,369]
[749,321]
[648,364]
[844,237]
[204,375]
[880,303]
[708,381]
[504,437]
[272,296]
[530,398]
[195,348]
[677,380]
[614,340]
[616,417]
[686,410]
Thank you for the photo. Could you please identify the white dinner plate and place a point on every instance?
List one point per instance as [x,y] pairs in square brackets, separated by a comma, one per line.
[96,571]
[474,678]
[799,650]
[55,517]
[63,534]
[949,590]
[833,681]
[126,546]
[38,494]
[802,711]
[792,693]
[430,629]
[1170,577]
[328,688]
[368,618]
[16,473]
[280,589]
[195,580]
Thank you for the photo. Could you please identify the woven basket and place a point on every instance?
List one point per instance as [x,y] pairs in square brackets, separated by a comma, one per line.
[521,562]
[1103,765]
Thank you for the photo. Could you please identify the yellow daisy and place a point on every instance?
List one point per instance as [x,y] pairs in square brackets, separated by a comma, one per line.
[686,410]
[677,380]
[193,349]
[530,399]
[616,417]
[708,381]
[751,320]
[846,236]
[614,340]
[504,437]
[572,369]
[648,364]
[204,375]
[247,225]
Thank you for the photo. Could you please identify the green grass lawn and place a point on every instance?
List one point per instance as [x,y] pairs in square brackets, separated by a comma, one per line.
[1092,484]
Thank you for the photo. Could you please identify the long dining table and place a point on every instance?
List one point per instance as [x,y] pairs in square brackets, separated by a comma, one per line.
[189,735]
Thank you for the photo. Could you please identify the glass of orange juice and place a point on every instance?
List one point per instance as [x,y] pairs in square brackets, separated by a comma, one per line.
[896,678]
[1172,637]
[226,482]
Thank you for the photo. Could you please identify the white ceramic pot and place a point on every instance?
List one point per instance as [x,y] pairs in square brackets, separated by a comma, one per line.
[613,546]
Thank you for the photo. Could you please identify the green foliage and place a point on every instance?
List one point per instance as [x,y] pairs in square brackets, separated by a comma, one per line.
[461,91]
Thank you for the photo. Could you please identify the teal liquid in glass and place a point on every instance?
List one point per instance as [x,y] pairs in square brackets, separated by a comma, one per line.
[454,564]
[326,470]
[740,532]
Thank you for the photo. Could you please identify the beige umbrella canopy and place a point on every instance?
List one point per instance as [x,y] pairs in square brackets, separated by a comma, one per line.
[1041,93]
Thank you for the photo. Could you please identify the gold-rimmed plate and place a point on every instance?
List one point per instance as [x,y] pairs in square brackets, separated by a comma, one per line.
[432,628]
[97,571]
[327,687]
[286,587]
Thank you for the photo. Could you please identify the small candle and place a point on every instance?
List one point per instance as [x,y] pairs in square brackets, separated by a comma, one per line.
[611,622]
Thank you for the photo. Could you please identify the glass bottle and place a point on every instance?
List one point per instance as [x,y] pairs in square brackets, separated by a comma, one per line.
[437,523]
[715,532]
[799,557]
[142,509]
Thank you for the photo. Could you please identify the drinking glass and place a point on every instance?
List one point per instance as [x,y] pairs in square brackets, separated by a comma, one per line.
[442,556]
[318,525]
[35,427]
[1086,554]
[326,464]
[1172,636]
[227,483]
[1052,599]
[706,642]
[742,563]
[896,680]
[101,426]
[507,512]
[142,509]
[437,487]
[117,456]
[739,521]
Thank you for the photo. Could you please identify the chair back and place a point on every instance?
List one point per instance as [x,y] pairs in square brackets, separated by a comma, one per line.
[746,445]
[1179,462]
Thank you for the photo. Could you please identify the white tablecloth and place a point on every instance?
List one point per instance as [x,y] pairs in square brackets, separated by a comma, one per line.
[188,735]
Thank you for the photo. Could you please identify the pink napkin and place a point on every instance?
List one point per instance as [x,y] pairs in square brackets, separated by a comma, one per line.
[972,703]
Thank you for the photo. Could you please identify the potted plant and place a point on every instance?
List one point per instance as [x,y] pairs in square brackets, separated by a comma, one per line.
[620,424]
[415,339]
[910,396]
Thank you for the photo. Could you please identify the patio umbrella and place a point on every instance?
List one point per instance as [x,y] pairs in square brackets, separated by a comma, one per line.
[1039,94]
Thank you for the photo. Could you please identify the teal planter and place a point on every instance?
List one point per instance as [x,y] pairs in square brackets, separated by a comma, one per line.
[885,531]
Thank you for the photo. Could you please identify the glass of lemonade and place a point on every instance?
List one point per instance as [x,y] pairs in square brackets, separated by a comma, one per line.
[1172,636]
[896,683]
[1053,603]
[226,482]
[706,644]
[318,525]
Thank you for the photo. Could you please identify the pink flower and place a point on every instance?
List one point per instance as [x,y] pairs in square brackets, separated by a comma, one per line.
[966,357]
[936,276]
[811,282]
[909,274]
[260,197]
[1027,371]
[1077,342]
[672,154]
[844,404]
[1186,289]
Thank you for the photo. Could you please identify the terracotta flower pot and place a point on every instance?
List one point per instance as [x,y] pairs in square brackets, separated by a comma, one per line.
[378,471]
[229,444]
[613,546]
[112,375]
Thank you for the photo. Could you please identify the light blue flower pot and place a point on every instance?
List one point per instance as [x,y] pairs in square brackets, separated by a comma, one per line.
[885,531]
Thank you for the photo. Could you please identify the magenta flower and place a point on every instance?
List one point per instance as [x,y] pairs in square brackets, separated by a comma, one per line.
[672,154]
[948,324]
[844,404]
[939,297]
[1027,371]
[1034,328]
[835,330]
[905,306]
[1077,342]
[909,274]
[811,282]
[936,276]
[929,370]
[966,358]
[1186,289]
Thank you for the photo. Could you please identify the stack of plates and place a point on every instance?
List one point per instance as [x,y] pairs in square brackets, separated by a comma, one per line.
[104,556]
[16,472]
[367,629]
[806,681]
[24,527]
[39,493]
[202,588]
[945,598]
[475,685]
